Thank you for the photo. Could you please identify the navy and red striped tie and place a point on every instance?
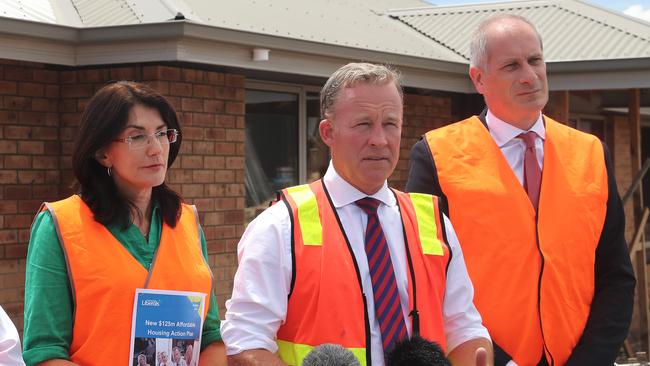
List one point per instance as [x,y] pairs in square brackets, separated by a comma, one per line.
[388,309]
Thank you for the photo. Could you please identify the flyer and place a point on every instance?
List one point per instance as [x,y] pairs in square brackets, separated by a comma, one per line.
[166,328]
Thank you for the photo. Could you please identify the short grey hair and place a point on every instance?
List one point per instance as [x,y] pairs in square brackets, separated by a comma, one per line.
[351,75]
[478,45]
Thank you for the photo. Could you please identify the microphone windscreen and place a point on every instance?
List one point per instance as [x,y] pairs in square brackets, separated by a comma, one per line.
[330,355]
[416,351]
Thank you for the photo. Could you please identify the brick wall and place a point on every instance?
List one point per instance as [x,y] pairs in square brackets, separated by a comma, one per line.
[421,114]
[40,109]
[29,174]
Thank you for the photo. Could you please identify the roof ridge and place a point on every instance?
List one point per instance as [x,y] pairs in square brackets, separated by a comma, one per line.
[471,7]
[621,14]
[559,4]
[430,37]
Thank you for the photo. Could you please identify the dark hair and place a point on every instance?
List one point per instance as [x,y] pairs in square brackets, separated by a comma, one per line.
[104,118]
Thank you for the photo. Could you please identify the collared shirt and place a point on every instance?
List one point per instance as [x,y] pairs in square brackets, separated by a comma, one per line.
[10,352]
[513,148]
[258,306]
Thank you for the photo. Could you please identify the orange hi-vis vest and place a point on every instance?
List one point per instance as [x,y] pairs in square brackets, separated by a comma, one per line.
[533,274]
[327,303]
[104,276]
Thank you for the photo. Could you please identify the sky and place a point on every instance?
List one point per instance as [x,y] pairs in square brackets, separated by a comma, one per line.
[635,8]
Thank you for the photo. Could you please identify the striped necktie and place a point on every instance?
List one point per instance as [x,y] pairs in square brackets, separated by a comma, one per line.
[388,309]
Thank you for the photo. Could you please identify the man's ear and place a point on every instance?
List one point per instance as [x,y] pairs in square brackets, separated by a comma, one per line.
[476,74]
[103,158]
[326,129]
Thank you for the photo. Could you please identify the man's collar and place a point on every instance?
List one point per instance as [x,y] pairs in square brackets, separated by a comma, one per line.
[503,132]
[343,193]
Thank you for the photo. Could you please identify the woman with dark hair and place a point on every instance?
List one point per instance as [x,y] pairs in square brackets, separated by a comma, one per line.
[124,229]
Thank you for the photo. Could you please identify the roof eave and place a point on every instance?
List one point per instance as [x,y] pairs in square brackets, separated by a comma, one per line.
[185,41]
[44,31]
[187,29]
[599,74]
[642,63]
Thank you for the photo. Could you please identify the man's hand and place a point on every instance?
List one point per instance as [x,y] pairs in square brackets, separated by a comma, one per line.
[255,357]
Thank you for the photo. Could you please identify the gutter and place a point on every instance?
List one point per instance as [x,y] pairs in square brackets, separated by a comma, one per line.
[184,29]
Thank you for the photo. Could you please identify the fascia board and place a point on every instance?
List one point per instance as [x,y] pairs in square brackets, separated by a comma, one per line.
[37,50]
[176,30]
[288,44]
[232,55]
[612,79]
[238,56]
[127,52]
[37,30]
[185,41]
[599,65]
[189,30]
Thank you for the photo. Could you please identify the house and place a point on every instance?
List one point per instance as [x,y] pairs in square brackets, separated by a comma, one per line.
[245,75]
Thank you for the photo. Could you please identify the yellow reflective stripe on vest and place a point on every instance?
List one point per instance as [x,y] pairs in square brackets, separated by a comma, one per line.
[295,353]
[308,215]
[427,228]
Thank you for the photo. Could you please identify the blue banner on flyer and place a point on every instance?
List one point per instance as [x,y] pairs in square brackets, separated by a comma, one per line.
[166,327]
[168,315]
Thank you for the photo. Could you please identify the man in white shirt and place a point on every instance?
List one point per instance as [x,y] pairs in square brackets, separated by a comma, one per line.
[545,252]
[10,351]
[297,287]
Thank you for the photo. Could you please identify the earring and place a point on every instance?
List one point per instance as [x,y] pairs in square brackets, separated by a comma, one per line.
[108,170]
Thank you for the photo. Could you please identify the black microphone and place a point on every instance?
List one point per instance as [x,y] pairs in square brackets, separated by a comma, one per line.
[416,351]
[330,355]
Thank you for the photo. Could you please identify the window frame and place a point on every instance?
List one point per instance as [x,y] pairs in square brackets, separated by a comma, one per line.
[301,90]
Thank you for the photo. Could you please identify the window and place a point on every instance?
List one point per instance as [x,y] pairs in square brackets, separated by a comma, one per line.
[317,151]
[283,145]
[271,144]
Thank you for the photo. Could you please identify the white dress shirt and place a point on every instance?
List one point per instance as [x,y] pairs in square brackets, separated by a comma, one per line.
[513,148]
[10,351]
[258,306]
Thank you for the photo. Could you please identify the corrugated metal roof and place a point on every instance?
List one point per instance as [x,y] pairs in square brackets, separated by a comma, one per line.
[572,30]
[351,23]
[34,10]
[95,13]
[360,24]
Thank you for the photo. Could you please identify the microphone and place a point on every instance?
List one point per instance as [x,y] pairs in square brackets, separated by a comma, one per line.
[416,351]
[330,355]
